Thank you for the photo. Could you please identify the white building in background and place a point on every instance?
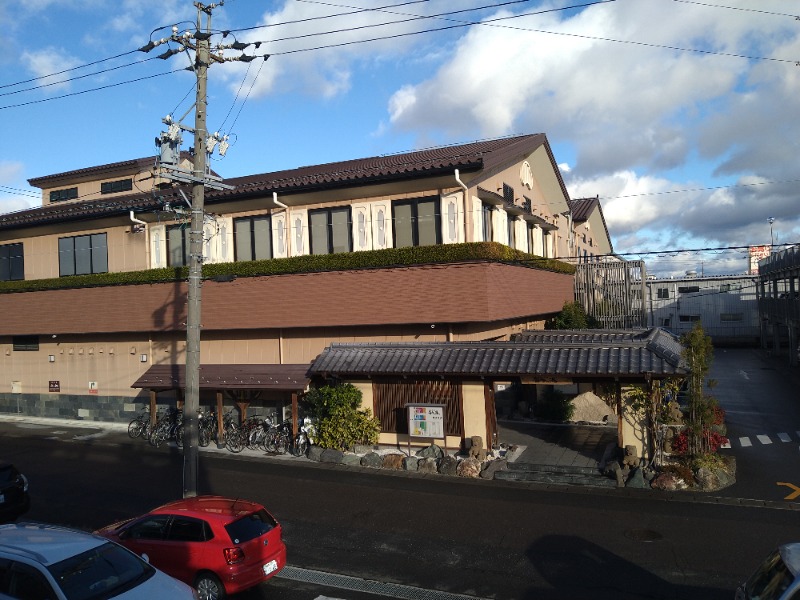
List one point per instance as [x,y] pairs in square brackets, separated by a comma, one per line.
[726,305]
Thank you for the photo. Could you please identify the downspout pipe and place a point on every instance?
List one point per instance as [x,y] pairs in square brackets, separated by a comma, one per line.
[467,211]
[146,237]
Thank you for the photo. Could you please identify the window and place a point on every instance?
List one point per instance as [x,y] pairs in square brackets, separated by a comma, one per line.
[417,222]
[83,254]
[665,322]
[253,238]
[12,265]
[113,187]
[25,343]
[330,230]
[23,581]
[150,528]
[725,287]
[512,232]
[508,194]
[65,194]
[486,213]
[663,293]
[186,529]
[178,245]
[688,318]
[688,289]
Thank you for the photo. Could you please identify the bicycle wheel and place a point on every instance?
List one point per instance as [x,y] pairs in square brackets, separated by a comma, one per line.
[234,441]
[157,437]
[282,443]
[135,428]
[270,441]
[203,437]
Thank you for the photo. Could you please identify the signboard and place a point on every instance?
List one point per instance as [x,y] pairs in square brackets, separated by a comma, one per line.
[757,253]
[93,387]
[54,386]
[426,420]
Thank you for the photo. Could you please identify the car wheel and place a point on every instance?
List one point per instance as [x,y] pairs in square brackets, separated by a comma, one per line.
[209,587]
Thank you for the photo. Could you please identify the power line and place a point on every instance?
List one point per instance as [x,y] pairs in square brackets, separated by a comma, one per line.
[704,189]
[755,10]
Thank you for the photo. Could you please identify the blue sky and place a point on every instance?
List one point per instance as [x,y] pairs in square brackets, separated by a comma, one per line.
[680,115]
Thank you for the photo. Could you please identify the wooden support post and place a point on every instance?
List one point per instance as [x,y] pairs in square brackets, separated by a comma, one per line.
[153,407]
[220,408]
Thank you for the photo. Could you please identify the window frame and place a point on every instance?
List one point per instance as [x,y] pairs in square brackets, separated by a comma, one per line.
[251,221]
[116,186]
[414,204]
[93,252]
[329,233]
[16,262]
[64,194]
[185,244]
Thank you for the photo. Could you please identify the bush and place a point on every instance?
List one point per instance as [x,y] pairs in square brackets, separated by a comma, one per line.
[680,471]
[341,424]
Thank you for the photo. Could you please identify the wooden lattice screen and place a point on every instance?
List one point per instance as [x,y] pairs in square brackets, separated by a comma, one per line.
[391,396]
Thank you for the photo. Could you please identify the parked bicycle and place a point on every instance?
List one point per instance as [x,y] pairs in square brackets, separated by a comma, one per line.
[233,436]
[279,438]
[140,425]
[167,428]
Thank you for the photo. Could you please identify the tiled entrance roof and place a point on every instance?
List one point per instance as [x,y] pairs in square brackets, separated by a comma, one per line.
[228,377]
[552,354]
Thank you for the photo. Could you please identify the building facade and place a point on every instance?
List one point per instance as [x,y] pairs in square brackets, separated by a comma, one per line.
[779,303]
[78,334]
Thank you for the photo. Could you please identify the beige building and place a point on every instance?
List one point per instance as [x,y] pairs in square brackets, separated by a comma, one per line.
[450,244]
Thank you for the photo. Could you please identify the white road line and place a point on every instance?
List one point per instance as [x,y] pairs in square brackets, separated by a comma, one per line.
[745,442]
[784,437]
[764,439]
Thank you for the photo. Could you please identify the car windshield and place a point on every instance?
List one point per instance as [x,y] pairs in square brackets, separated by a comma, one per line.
[250,526]
[770,580]
[102,572]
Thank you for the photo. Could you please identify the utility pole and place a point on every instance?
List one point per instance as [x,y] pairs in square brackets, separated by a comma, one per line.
[199,42]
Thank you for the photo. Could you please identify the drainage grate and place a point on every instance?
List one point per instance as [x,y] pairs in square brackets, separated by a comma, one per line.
[355,584]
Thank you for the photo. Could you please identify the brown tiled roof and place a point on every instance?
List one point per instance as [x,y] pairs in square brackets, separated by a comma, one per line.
[227,377]
[125,165]
[486,155]
[582,208]
[628,356]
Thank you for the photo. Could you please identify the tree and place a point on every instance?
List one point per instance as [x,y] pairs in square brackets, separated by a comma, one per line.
[572,316]
[341,423]
[704,412]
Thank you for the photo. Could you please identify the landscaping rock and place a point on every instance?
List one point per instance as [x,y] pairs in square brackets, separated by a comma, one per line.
[411,463]
[315,453]
[636,480]
[706,479]
[393,461]
[329,455]
[668,483]
[492,467]
[432,451]
[372,460]
[469,467]
[353,460]
[448,465]
[362,449]
[427,465]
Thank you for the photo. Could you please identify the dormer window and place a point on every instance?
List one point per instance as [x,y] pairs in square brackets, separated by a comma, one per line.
[62,195]
[114,187]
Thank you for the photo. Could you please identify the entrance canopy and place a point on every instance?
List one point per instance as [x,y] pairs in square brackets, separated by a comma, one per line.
[289,378]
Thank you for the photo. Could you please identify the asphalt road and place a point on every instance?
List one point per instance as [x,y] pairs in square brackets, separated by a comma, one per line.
[359,534]
[488,539]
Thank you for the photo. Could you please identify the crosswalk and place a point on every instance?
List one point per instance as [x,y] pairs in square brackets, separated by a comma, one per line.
[762,440]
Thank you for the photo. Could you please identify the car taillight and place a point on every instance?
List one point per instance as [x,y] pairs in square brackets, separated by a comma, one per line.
[233,555]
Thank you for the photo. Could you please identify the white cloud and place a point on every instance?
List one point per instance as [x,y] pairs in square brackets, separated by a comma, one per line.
[49,64]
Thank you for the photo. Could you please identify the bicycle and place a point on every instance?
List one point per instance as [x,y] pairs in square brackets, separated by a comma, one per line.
[232,433]
[304,438]
[167,428]
[140,423]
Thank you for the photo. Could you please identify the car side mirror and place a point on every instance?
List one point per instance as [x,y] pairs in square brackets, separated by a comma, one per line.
[145,558]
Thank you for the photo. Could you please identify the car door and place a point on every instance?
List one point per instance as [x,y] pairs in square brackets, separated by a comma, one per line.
[188,541]
[147,537]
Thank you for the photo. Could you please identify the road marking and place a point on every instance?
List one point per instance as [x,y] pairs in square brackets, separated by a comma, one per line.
[784,437]
[744,374]
[794,494]
[764,439]
[745,442]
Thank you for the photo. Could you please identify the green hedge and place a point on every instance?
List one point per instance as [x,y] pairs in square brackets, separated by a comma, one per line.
[373,259]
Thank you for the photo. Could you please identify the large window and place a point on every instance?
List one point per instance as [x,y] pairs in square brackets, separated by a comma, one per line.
[12,265]
[178,245]
[486,215]
[663,293]
[83,254]
[417,222]
[113,187]
[25,343]
[65,194]
[330,230]
[253,237]
[512,231]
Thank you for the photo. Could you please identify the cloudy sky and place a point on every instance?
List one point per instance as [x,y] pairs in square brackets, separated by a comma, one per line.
[680,115]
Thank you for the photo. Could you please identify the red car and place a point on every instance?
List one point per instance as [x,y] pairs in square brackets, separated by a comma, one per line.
[218,545]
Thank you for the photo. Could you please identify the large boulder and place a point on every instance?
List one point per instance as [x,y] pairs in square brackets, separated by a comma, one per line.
[393,461]
[492,467]
[372,460]
[448,465]
[591,408]
[329,455]
[469,467]
[427,465]
[432,451]
[411,463]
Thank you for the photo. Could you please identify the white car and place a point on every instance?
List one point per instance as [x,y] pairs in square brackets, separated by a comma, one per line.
[47,562]
[777,578]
